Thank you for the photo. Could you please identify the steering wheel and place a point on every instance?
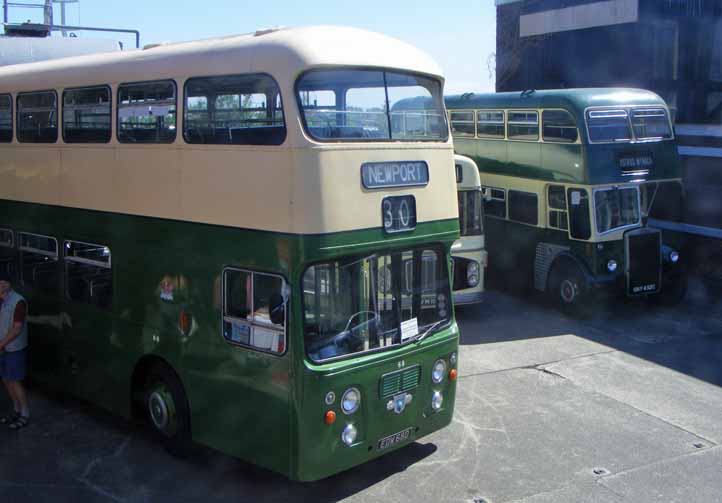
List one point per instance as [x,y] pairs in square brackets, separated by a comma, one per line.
[347,337]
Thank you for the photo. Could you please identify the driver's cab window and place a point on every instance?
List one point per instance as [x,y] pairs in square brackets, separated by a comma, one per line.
[254,310]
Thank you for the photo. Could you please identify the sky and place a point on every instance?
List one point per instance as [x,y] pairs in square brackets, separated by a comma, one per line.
[459,34]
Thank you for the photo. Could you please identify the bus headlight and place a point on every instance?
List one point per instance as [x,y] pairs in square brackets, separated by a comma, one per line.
[673,257]
[437,400]
[612,265]
[350,401]
[472,273]
[348,435]
[452,359]
[438,371]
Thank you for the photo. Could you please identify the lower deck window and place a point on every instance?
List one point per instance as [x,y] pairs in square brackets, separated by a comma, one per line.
[523,207]
[495,205]
[254,310]
[39,262]
[88,273]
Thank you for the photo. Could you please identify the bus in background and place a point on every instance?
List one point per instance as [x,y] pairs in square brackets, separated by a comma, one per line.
[233,239]
[468,253]
[572,176]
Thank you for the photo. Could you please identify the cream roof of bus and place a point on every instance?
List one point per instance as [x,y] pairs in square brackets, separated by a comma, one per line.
[283,53]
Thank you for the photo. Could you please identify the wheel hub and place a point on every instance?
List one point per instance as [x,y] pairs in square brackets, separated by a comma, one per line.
[568,291]
[158,408]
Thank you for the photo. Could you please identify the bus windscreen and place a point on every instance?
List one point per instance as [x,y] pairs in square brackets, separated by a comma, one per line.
[371,105]
[374,302]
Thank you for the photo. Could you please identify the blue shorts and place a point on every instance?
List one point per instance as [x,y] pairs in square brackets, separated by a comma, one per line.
[12,365]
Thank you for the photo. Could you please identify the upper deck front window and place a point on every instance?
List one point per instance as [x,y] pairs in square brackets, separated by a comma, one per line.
[627,124]
[371,105]
[651,123]
[608,125]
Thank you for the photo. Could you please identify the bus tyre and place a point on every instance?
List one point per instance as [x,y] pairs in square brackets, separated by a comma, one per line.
[567,285]
[167,410]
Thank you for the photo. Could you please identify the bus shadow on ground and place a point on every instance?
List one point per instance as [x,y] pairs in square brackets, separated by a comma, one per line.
[686,337]
[108,458]
[225,477]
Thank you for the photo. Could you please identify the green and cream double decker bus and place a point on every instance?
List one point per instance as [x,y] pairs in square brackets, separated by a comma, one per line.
[468,253]
[235,240]
[572,176]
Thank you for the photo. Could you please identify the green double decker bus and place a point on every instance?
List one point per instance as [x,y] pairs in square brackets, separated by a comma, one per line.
[235,241]
[572,176]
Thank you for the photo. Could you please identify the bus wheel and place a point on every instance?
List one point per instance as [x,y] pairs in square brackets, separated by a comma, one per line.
[567,285]
[166,409]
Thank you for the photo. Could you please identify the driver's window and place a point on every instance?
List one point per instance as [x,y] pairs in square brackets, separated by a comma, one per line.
[254,310]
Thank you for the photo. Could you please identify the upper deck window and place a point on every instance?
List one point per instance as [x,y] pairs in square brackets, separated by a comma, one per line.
[371,105]
[523,125]
[6,118]
[490,124]
[558,126]
[147,112]
[234,109]
[462,123]
[608,125]
[86,115]
[651,123]
[38,117]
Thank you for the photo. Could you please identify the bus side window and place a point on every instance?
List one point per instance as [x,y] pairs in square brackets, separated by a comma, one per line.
[7,253]
[88,273]
[523,125]
[579,224]
[462,123]
[38,117]
[495,205]
[490,124]
[86,115]
[233,109]
[147,112]
[523,207]
[254,310]
[39,262]
[557,201]
[558,126]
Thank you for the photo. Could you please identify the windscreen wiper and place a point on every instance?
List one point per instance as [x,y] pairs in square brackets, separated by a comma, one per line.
[420,337]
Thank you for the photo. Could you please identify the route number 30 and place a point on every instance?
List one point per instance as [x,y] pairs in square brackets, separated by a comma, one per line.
[398,213]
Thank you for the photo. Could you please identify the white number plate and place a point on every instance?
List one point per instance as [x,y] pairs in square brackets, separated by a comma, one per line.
[394,439]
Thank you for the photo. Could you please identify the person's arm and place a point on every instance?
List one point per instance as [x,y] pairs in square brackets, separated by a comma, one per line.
[12,334]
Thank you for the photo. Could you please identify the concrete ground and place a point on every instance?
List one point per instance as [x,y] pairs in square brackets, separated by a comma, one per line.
[624,407]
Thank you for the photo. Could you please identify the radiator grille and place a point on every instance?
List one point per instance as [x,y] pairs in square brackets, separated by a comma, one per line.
[399,381]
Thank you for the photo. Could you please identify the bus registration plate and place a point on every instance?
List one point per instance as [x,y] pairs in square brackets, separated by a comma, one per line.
[394,439]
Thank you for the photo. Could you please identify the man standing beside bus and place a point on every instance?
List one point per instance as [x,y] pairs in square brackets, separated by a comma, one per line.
[13,345]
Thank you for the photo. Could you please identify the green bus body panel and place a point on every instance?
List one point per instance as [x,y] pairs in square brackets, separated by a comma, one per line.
[515,254]
[252,405]
[582,163]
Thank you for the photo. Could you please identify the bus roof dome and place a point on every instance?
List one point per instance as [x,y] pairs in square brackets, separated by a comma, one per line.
[283,53]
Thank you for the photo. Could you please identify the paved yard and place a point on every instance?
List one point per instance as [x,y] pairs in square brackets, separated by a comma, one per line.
[625,407]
